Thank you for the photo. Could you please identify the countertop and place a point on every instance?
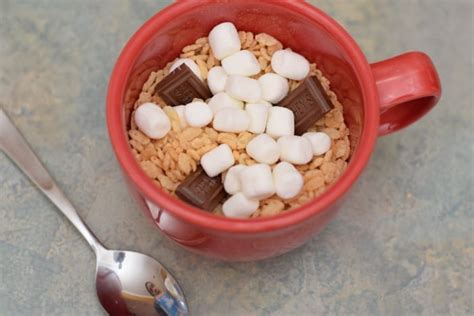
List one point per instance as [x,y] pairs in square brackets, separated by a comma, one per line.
[402,244]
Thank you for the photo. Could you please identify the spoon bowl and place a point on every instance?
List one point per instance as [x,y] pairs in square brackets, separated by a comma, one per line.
[132,282]
[127,282]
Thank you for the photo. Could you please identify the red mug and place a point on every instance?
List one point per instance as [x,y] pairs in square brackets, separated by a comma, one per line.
[378,99]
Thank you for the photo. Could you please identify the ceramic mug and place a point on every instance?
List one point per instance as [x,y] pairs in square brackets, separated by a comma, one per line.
[378,99]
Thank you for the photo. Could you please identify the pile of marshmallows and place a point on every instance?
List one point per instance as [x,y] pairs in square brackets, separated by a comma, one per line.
[231,87]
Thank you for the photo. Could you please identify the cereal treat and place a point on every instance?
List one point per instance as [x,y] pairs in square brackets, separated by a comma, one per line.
[239,126]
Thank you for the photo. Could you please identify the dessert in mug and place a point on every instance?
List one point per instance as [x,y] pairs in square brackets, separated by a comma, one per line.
[240,126]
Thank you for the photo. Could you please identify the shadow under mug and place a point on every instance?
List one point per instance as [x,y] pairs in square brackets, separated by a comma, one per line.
[377,98]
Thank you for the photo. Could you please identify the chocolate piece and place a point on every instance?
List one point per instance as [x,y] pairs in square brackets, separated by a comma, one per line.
[201,190]
[309,102]
[181,86]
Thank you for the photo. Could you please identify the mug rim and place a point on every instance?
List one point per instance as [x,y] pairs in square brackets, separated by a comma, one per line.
[203,219]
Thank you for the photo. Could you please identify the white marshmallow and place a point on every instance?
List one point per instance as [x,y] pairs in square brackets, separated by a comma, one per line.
[216,78]
[288,181]
[320,142]
[274,87]
[243,88]
[222,100]
[258,114]
[266,103]
[263,149]
[232,179]
[231,120]
[224,40]
[197,114]
[257,181]
[281,122]
[152,120]
[290,65]
[238,206]
[242,63]
[190,63]
[180,111]
[295,149]
[217,160]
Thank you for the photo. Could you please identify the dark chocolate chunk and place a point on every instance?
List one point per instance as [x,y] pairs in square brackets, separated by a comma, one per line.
[201,190]
[181,86]
[309,102]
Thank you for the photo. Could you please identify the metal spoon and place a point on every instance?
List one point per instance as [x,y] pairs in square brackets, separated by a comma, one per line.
[127,283]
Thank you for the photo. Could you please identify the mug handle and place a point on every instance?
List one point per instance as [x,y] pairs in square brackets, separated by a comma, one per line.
[408,87]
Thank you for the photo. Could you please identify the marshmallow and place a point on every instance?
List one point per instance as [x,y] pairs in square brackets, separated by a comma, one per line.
[263,149]
[152,120]
[265,103]
[288,181]
[281,122]
[216,79]
[242,63]
[258,114]
[238,206]
[290,65]
[217,160]
[224,40]
[232,179]
[295,149]
[223,100]
[180,111]
[320,142]
[243,88]
[257,181]
[274,87]
[231,120]
[197,114]
[188,62]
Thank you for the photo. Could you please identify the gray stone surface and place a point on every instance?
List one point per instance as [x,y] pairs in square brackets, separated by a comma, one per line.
[402,245]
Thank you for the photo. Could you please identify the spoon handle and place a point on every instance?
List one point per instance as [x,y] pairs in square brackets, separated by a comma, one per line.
[16,147]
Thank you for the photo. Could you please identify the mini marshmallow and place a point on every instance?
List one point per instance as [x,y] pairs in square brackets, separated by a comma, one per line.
[216,79]
[263,149]
[243,88]
[257,181]
[197,114]
[190,63]
[232,179]
[274,87]
[320,142]
[242,63]
[281,122]
[238,206]
[290,65]
[266,103]
[258,114]
[295,149]
[222,100]
[180,111]
[217,160]
[231,120]
[152,120]
[224,40]
[288,181]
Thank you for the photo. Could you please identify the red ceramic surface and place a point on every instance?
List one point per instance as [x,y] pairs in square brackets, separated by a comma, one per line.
[377,99]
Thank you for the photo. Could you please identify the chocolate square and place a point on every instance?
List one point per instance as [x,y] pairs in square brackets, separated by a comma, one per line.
[309,102]
[201,190]
[181,86]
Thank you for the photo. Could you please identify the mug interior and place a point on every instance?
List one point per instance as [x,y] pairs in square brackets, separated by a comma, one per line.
[299,26]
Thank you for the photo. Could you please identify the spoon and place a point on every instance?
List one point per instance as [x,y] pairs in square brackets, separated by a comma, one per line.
[127,282]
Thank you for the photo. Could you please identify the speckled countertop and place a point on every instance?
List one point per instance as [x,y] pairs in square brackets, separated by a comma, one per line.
[402,245]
